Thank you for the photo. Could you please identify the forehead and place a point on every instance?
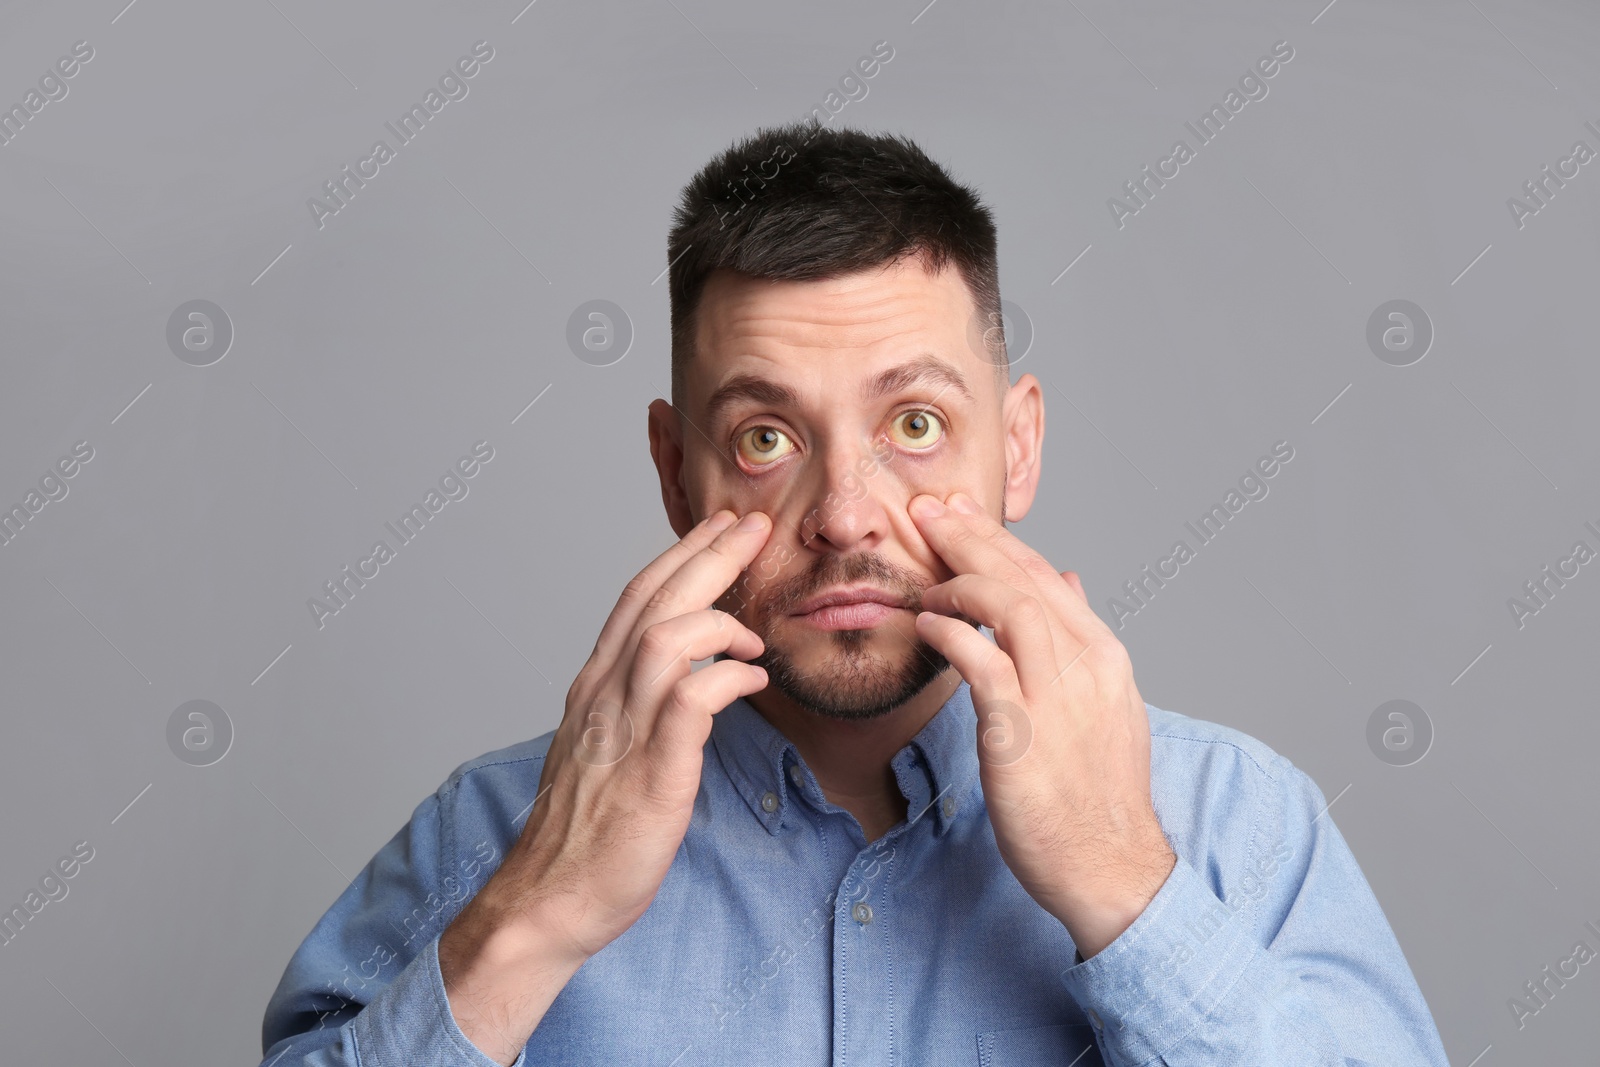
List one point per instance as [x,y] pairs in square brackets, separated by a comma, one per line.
[839,329]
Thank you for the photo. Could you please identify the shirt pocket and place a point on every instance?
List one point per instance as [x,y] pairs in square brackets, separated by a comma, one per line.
[1040,1046]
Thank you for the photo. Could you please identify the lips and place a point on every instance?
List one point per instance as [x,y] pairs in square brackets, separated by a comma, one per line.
[855,594]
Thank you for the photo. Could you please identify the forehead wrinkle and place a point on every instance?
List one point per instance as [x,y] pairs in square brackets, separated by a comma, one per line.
[784,323]
[822,329]
[840,312]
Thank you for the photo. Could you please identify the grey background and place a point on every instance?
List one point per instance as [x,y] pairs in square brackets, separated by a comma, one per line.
[1229,314]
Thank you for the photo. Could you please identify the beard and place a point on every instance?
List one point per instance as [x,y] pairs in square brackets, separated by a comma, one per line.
[857,684]
[858,679]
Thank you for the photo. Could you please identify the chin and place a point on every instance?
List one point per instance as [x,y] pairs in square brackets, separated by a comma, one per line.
[851,674]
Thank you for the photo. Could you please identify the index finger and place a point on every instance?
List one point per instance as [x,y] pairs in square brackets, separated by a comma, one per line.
[706,574]
[643,585]
[975,540]
[966,540]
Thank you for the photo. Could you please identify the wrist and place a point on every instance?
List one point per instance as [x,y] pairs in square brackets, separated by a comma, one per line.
[493,935]
[502,969]
[1096,915]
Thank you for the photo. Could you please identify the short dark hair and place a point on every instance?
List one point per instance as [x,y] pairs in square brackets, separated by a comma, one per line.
[804,201]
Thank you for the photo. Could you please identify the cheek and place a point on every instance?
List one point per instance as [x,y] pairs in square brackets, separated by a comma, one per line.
[773,497]
[904,480]
[892,486]
[756,585]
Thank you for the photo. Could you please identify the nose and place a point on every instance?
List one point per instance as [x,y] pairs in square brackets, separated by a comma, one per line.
[844,513]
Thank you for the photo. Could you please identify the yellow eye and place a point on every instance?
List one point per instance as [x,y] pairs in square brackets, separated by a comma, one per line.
[916,429]
[761,445]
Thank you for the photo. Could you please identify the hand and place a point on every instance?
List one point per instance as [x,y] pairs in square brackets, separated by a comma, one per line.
[617,790]
[1064,739]
[622,772]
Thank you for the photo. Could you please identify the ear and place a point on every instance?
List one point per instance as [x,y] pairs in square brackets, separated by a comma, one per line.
[666,449]
[1022,415]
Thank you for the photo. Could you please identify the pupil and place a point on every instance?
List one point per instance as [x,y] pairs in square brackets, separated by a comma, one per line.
[766,440]
[918,425]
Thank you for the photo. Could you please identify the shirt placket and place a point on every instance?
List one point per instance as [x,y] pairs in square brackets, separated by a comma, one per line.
[864,1017]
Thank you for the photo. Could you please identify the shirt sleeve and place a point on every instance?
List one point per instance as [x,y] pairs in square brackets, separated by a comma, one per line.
[364,987]
[1283,958]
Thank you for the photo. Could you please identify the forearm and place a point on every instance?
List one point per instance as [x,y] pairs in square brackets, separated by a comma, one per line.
[1190,983]
[1096,912]
[411,1020]
[502,969]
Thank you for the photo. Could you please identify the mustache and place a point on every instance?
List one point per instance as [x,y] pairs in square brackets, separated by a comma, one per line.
[829,571]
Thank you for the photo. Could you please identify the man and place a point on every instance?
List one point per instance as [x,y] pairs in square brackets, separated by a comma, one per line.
[866,833]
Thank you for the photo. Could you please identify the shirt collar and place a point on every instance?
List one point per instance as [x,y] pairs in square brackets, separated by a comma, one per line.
[936,771]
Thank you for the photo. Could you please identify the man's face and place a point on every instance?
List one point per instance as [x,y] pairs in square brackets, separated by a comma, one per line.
[829,405]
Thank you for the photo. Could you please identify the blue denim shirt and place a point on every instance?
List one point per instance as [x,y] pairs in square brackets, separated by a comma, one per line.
[780,935]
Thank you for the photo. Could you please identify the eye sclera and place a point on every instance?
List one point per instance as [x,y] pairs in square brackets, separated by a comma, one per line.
[936,427]
[744,436]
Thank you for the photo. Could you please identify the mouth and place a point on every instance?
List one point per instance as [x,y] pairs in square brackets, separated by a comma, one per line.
[849,608]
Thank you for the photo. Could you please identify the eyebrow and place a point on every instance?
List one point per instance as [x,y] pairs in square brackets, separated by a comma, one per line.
[918,371]
[921,370]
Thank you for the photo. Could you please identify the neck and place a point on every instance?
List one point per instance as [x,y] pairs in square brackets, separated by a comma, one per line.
[851,758]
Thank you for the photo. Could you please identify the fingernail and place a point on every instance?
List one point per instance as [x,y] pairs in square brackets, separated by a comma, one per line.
[721,520]
[965,504]
[753,521]
[926,507]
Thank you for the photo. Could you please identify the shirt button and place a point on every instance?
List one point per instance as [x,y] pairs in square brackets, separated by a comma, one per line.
[862,913]
[794,773]
[949,806]
[1095,1019]
[769,801]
